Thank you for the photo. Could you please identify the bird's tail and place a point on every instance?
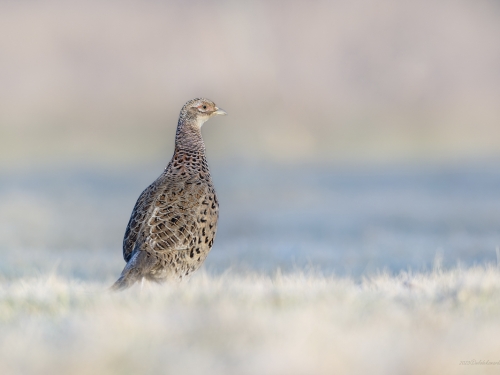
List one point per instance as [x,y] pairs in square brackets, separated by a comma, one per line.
[123,282]
[137,267]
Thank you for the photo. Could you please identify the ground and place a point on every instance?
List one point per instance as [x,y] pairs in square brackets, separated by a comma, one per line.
[341,271]
[295,323]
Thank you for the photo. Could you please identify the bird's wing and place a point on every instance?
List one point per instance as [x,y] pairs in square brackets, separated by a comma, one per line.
[177,216]
[137,218]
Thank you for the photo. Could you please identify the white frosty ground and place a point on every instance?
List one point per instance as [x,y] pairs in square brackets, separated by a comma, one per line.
[253,324]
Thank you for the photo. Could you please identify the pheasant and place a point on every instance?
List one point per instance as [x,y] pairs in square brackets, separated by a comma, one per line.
[173,224]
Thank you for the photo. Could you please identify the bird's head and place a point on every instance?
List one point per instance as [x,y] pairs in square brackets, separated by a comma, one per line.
[200,110]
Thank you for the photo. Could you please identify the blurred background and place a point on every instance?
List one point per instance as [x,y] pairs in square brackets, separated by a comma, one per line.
[361,136]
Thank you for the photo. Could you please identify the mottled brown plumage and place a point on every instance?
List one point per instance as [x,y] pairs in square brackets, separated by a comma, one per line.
[173,225]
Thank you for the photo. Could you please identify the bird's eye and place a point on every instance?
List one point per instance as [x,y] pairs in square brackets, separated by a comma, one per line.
[204,107]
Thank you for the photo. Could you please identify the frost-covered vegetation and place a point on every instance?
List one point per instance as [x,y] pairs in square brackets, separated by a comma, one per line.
[295,323]
[60,237]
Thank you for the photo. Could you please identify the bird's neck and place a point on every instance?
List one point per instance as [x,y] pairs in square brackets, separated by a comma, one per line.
[188,137]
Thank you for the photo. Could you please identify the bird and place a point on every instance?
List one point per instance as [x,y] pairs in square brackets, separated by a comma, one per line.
[174,221]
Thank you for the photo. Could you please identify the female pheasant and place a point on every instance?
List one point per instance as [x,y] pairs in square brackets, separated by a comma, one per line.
[173,224]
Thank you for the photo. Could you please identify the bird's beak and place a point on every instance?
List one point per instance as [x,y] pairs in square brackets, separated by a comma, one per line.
[219,111]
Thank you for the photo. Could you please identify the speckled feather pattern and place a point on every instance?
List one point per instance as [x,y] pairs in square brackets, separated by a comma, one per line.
[174,222]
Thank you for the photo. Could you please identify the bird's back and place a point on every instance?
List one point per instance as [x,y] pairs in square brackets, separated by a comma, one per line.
[175,218]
